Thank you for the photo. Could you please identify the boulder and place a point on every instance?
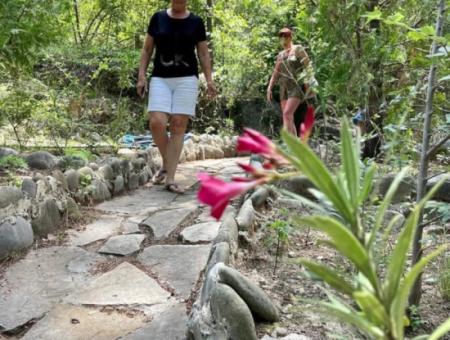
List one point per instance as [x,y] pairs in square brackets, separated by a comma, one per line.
[137,165]
[200,152]
[114,163]
[390,215]
[49,219]
[143,155]
[9,196]
[59,176]
[83,172]
[14,237]
[209,151]
[133,182]
[72,207]
[101,192]
[246,216]
[29,187]
[5,152]
[72,178]
[94,166]
[182,157]
[143,177]
[190,157]
[73,162]
[41,160]
[106,172]
[299,185]
[259,197]
[443,193]
[118,185]
[404,191]
[39,177]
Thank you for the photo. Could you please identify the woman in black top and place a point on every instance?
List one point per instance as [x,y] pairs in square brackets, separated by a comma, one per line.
[175,33]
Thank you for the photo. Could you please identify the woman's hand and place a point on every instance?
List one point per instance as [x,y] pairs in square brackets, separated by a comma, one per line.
[269,95]
[142,87]
[212,91]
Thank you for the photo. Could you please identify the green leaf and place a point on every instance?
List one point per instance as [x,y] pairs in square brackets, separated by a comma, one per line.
[440,331]
[398,305]
[330,276]
[315,170]
[384,206]
[428,30]
[444,79]
[345,242]
[367,184]
[350,163]
[375,15]
[373,309]
[303,200]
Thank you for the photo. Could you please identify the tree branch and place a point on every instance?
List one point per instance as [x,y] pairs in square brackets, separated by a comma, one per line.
[435,147]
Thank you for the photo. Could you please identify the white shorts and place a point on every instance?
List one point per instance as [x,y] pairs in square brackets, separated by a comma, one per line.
[173,95]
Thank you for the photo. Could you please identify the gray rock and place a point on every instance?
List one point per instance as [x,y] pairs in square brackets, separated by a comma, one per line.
[180,266]
[39,281]
[203,232]
[59,176]
[49,219]
[115,164]
[72,207]
[167,325]
[84,172]
[299,185]
[133,181]
[254,297]
[228,231]
[130,227]
[73,179]
[259,197]
[75,323]
[143,177]
[14,237]
[73,162]
[219,253]
[231,312]
[125,167]
[101,229]
[94,166]
[257,158]
[9,195]
[137,165]
[107,173]
[124,285]
[443,193]
[41,160]
[101,192]
[290,203]
[281,331]
[246,216]
[404,191]
[118,185]
[123,245]
[5,152]
[143,155]
[30,187]
[390,215]
[163,223]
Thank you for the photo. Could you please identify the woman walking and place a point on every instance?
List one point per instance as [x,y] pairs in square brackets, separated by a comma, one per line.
[290,64]
[174,34]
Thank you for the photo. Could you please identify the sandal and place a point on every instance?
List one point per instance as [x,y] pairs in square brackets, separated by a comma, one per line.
[159,176]
[175,188]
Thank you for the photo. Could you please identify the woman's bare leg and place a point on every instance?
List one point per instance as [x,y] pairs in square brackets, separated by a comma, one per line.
[158,128]
[288,114]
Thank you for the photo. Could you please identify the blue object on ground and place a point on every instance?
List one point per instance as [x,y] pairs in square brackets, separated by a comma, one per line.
[358,117]
[143,141]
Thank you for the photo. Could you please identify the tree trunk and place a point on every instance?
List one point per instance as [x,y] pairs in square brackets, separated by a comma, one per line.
[416,293]
[209,29]
[77,19]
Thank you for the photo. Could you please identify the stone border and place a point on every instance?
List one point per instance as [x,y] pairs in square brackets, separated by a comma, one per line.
[43,203]
[227,300]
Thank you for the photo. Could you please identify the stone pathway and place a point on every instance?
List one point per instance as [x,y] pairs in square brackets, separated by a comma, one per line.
[125,276]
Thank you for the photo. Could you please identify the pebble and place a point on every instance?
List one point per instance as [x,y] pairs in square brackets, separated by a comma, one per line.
[292,254]
[281,331]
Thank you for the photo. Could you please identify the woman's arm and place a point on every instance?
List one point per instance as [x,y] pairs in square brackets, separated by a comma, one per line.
[301,53]
[205,61]
[273,80]
[146,55]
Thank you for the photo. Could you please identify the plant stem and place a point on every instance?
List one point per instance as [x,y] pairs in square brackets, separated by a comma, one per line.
[276,255]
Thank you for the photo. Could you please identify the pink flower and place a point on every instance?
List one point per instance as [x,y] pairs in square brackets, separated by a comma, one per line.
[255,142]
[255,173]
[307,126]
[217,193]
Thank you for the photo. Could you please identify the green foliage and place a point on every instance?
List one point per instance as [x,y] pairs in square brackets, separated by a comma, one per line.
[86,186]
[382,302]
[84,154]
[444,277]
[13,162]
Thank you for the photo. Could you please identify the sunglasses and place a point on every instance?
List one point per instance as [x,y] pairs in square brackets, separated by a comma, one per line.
[284,35]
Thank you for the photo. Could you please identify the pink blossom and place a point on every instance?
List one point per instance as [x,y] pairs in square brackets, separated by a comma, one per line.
[217,193]
[307,126]
[255,142]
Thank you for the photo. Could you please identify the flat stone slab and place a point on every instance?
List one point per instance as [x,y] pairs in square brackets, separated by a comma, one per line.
[142,201]
[203,232]
[33,285]
[75,323]
[163,223]
[101,229]
[205,216]
[123,245]
[179,265]
[169,325]
[125,285]
[130,227]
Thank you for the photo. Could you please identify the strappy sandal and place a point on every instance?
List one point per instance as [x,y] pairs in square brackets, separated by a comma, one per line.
[175,188]
[159,176]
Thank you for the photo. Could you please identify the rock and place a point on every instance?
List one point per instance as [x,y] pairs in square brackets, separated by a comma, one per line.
[163,223]
[118,185]
[75,323]
[259,197]
[124,285]
[228,231]
[39,281]
[73,162]
[14,237]
[190,157]
[290,203]
[5,152]
[281,331]
[220,253]
[144,155]
[94,166]
[84,173]
[209,151]
[127,153]
[299,185]
[59,176]
[48,220]
[231,312]
[72,178]
[254,297]
[106,172]
[143,177]
[133,182]
[101,192]
[257,158]
[123,245]
[327,131]
[170,325]
[200,153]
[137,165]
[404,191]
[180,266]
[246,216]
[390,215]
[443,192]
[30,187]
[72,207]
[101,229]
[203,232]
[115,164]
[130,227]
[9,196]
[41,160]
[182,157]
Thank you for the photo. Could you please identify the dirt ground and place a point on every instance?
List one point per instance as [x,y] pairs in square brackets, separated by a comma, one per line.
[257,261]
